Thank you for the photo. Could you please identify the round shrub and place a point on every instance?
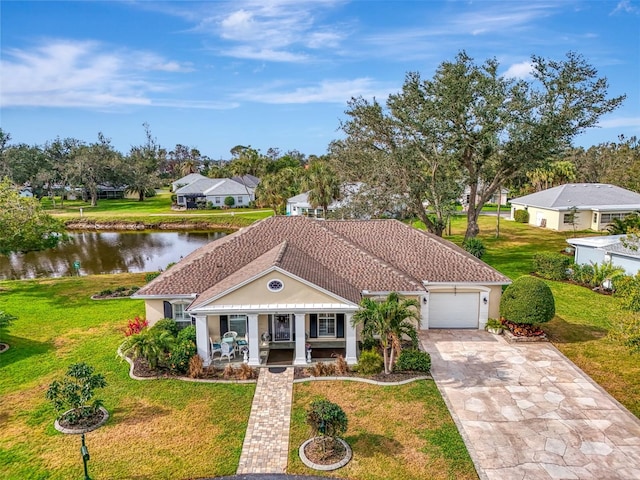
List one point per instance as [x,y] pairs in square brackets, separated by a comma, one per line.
[475,247]
[528,300]
[187,333]
[180,355]
[168,325]
[521,216]
[370,363]
[413,360]
[326,418]
[150,276]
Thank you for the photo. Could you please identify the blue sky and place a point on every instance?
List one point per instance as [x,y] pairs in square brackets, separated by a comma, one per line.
[276,73]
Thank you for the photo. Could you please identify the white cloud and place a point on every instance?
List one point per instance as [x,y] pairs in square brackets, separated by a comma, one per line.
[325,92]
[521,70]
[62,73]
[625,6]
[265,54]
[620,122]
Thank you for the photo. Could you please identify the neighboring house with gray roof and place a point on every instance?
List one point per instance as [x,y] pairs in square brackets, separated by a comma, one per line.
[286,281]
[579,206]
[214,190]
[605,249]
[186,180]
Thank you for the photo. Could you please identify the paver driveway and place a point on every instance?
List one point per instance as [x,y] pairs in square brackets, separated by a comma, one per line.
[526,412]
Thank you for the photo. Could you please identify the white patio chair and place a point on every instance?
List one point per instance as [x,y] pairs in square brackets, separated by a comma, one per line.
[215,347]
[227,350]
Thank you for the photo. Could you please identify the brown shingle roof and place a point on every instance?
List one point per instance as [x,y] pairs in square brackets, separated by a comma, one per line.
[343,257]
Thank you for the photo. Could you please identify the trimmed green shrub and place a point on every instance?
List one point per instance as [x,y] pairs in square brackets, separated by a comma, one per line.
[627,289]
[552,266]
[150,276]
[179,356]
[521,216]
[326,419]
[187,333]
[475,247]
[229,201]
[168,325]
[411,360]
[370,363]
[582,274]
[527,300]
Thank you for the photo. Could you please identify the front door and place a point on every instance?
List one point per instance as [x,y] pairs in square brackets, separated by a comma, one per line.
[282,327]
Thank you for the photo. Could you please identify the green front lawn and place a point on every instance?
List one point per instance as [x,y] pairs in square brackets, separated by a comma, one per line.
[152,210]
[157,427]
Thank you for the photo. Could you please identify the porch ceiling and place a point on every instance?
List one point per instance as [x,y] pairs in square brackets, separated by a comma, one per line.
[275,308]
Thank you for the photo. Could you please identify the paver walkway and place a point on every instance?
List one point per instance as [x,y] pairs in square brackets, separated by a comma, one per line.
[266,443]
[526,412]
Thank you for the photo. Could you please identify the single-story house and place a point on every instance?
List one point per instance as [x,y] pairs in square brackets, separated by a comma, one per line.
[579,206]
[498,197]
[186,180]
[605,249]
[290,280]
[214,190]
[300,205]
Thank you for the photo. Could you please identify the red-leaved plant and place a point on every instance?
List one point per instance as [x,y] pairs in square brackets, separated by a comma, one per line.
[135,325]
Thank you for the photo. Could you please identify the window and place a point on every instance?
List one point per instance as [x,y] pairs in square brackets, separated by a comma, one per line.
[595,217]
[181,317]
[326,325]
[609,217]
[238,323]
[569,218]
[217,200]
[239,199]
[275,285]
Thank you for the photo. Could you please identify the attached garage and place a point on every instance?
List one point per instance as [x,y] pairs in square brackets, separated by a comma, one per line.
[454,310]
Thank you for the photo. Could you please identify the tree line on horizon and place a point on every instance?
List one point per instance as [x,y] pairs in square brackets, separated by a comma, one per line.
[415,153]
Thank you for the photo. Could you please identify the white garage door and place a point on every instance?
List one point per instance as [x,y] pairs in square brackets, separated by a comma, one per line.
[448,310]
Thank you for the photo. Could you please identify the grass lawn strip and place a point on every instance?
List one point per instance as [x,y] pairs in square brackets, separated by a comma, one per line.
[156,429]
[396,432]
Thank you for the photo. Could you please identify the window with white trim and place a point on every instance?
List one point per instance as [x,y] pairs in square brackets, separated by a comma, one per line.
[327,325]
[217,200]
[238,323]
[239,199]
[180,315]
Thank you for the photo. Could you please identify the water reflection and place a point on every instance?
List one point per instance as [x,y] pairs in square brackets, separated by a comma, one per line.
[106,252]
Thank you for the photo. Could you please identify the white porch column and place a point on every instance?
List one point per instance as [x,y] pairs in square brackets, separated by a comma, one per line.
[484,310]
[252,334]
[300,357]
[351,355]
[202,339]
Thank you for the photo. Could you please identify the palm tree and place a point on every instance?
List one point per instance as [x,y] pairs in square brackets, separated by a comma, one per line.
[391,320]
[323,185]
[152,345]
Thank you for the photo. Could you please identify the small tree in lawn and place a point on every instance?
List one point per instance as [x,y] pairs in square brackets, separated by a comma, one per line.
[327,421]
[229,201]
[528,300]
[74,392]
[6,320]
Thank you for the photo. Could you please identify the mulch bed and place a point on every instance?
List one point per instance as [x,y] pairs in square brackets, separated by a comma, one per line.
[334,452]
[141,368]
[523,330]
[84,422]
[302,373]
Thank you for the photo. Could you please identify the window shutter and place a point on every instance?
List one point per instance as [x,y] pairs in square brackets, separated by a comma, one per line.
[168,309]
[340,325]
[224,324]
[313,325]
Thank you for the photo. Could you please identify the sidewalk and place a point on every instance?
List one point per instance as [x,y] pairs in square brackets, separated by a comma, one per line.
[266,443]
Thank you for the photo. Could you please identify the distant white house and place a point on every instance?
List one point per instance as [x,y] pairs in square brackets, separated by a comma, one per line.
[499,197]
[604,249]
[582,206]
[299,205]
[186,180]
[214,190]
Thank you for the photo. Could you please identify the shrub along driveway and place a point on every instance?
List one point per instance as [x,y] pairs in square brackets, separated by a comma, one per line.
[526,411]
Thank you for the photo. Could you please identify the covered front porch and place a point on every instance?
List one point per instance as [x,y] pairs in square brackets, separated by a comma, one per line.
[277,334]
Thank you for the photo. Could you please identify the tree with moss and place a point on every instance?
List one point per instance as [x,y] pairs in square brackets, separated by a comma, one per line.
[24,225]
[528,300]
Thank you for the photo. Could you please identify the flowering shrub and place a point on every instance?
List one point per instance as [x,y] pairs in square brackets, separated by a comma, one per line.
[135,326]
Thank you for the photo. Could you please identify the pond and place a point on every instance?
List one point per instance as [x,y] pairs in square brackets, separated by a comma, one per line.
[106,252]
